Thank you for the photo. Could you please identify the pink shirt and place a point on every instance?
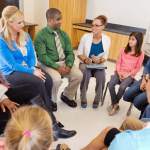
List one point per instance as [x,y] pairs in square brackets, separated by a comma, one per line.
[127,63]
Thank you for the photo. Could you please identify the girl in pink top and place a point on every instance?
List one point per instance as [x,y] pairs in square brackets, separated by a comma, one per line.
[128,64]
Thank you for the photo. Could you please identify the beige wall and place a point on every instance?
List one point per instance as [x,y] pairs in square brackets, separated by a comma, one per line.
[21,5]
[40,8]
[35,12]
[29,10]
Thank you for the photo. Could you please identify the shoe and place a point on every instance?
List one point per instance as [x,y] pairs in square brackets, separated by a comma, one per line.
[61,133]
[54,106]
[60,125]
[113,111]
[70,103]
[95,105]
[110,107]
[84,104]
[62,147]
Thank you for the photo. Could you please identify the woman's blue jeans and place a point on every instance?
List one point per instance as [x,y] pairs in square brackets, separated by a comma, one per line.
[135,95]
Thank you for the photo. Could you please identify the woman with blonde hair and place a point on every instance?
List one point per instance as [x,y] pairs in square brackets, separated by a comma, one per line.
[17,61]
[17,58]
[93,48]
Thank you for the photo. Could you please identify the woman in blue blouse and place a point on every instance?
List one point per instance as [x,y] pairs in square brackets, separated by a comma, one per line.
[17,60]
[93,48]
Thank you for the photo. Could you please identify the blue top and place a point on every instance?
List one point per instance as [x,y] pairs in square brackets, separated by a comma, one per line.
[12,60]
[131,140]
[96,49]
[147,68]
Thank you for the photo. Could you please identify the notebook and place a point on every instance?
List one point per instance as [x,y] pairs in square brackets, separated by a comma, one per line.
[96,66]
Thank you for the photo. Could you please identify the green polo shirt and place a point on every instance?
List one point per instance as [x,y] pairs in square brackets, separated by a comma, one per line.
[46,50]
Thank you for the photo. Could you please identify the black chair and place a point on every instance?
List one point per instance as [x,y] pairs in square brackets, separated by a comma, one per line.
[129,110]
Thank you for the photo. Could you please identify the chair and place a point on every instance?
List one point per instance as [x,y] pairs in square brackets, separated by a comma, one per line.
[129,110]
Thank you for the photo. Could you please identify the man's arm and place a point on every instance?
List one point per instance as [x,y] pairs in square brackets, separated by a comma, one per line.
[148,90]
[40,49]
[69,52]
[147,68]
[143,84]
[5,101]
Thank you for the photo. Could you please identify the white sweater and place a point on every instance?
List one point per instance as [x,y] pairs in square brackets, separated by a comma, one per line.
[86,42]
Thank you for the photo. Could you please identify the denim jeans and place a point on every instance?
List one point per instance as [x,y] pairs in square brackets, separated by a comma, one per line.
[135,95]
[146,113]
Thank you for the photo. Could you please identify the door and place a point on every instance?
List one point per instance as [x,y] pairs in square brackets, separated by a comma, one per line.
[78,9]
[4,3]
[53,4]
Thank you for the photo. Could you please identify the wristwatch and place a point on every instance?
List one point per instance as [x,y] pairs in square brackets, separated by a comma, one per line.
[147,76]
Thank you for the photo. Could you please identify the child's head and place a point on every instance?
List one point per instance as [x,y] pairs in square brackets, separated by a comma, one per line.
[33,119]
[135,41]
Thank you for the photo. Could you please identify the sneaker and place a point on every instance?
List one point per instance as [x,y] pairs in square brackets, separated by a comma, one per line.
[95,105]
[113,111]
[84,104]
[110,108]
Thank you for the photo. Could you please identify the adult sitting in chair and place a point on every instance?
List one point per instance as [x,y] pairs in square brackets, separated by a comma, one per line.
[56,57]
[139,89]
[94,47]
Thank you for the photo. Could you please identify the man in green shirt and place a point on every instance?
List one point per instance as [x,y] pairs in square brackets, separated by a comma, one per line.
[56,57]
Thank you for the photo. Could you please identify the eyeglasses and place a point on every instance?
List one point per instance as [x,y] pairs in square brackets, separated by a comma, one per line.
[92,26]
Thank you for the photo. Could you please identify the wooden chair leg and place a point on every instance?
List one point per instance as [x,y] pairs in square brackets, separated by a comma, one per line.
[103,99]
[129,110]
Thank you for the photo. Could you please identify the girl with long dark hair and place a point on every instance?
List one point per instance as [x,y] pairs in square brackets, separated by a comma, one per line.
[128,64]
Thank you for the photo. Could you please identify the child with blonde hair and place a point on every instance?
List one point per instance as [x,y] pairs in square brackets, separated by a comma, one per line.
[30,128]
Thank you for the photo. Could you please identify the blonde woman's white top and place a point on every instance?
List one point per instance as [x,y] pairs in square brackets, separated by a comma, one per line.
[23,50]
[86,43]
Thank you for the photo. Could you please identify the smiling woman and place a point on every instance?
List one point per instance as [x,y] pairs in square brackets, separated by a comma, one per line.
[93,48]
